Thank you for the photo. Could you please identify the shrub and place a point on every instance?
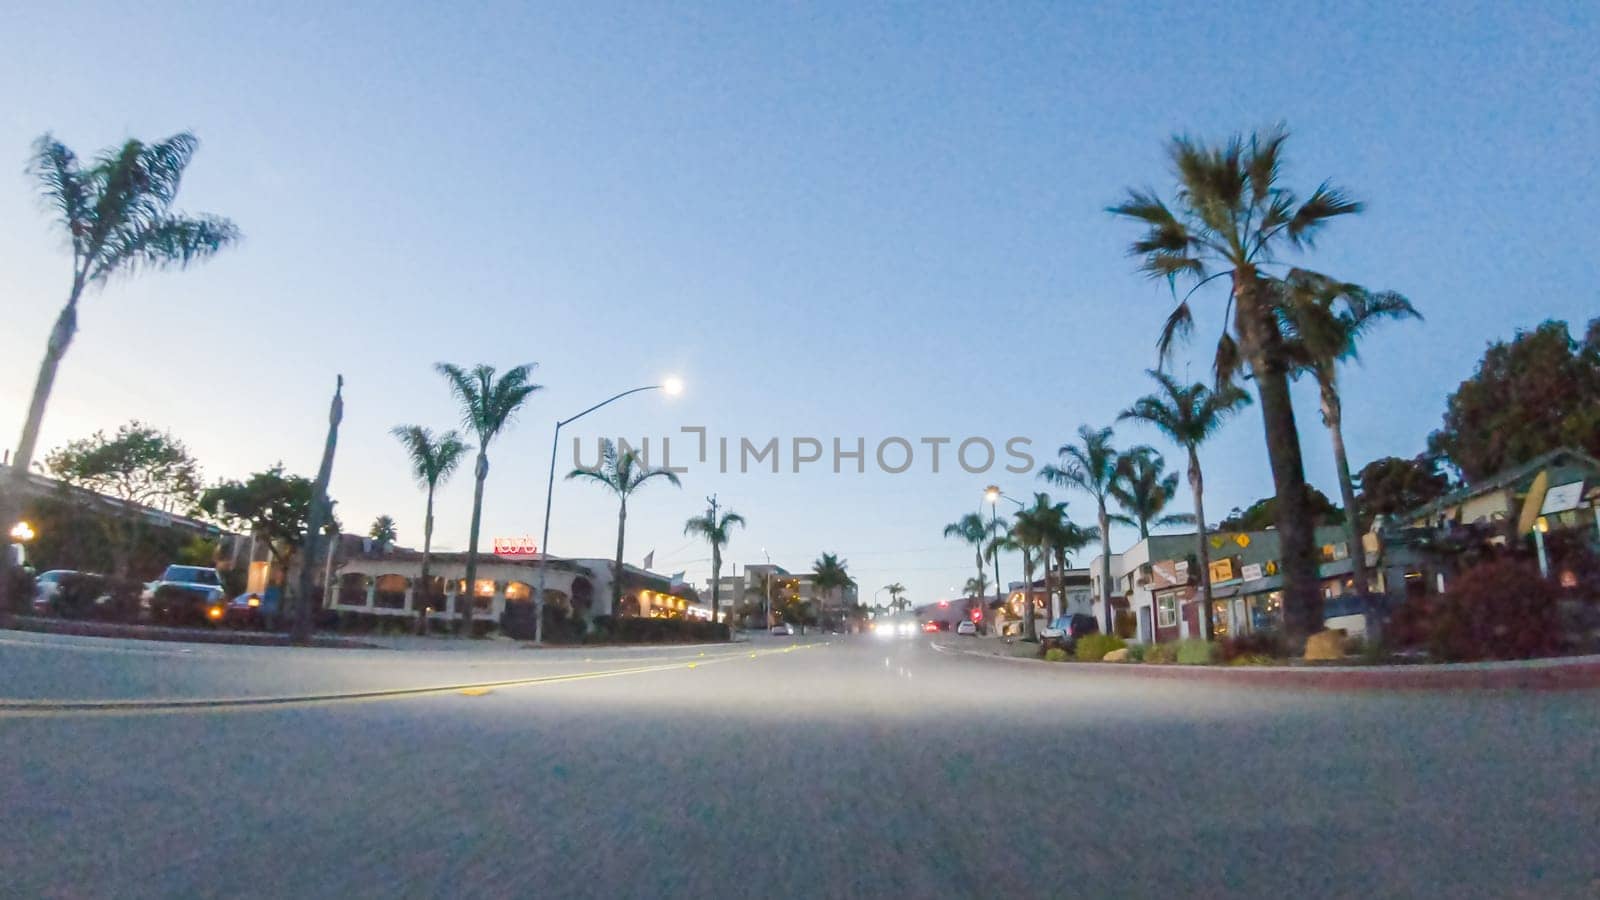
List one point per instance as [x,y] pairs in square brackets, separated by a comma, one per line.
[1161,654]
[85,596]
[1055,654]
[1262,643]
[1094,647]
[1499,609]
[1195,652]
[637,630]
[1253,659]
[1136,652]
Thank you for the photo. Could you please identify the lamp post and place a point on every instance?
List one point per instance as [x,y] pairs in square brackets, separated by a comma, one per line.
[993,494]
[767,624]
[21,534]
[672,387]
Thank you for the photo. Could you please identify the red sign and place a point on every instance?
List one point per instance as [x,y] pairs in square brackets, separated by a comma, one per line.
[515,546]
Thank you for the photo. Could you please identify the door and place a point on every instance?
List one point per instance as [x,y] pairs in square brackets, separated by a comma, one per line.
[1147,633]
[1191,619]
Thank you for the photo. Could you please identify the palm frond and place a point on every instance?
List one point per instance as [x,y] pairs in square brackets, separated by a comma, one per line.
[1324,203]
[62,186]
[1179,326]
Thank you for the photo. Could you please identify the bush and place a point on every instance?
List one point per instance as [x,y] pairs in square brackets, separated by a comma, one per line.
[1094,647]
[1262,643]
[1499,609]
[636,630]
[1055,654]
[1195,652]
[1136,652]
[1253,659]
[84,596]
[1161,654]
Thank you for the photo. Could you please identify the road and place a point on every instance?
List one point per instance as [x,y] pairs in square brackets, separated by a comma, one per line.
[853,767]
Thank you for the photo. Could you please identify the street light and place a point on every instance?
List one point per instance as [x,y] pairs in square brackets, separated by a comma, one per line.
[672,386]
[21,533]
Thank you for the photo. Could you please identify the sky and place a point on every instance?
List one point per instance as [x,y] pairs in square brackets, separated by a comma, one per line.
[830,220]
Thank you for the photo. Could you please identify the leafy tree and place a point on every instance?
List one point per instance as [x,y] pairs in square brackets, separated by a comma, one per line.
[972,530]
[488,406]
[1263,513]
[717,529]
[117,216]
[1391,486]
[1189,416]
[138,465]
[1323,321]
[1091,466]
[1143,489]
[622,474]
[434,458]
[383,531]
[1229,220]
[829,575]
[1538,392]
[272,506]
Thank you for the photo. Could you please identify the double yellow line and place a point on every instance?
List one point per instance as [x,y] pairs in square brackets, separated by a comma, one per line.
[78,708]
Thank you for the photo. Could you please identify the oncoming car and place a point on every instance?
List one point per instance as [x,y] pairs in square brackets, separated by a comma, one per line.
[188,595]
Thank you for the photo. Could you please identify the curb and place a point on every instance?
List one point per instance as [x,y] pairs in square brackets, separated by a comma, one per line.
[1554,674]
[81,628]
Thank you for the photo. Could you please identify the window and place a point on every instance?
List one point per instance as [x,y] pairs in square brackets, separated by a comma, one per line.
[1167,610]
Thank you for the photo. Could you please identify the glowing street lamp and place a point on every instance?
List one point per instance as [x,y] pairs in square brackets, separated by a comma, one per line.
[672,386]
[22,533]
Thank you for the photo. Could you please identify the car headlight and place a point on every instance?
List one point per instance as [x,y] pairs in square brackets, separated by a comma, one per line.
[214,612]
[254,601]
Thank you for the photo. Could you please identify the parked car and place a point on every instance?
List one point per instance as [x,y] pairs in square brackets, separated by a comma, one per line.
[1066,629]
[783,628]
[967,627]
[46,586]
[188,595]
[251,609]
[1344,611]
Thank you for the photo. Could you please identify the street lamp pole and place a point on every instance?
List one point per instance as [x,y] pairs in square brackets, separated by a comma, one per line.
[673,387]
[768,623]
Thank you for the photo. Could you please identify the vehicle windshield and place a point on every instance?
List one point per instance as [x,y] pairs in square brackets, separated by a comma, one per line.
[191,575]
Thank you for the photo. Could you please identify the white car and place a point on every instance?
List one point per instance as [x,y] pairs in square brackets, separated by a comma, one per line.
[968,627]
[47,585]
[783,628]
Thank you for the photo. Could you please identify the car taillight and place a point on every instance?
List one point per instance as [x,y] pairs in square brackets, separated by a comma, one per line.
[214,612]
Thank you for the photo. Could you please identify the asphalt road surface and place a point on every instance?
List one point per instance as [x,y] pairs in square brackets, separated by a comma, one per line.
[852,768]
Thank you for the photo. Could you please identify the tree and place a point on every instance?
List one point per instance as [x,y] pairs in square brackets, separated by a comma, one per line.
[897,597]
[1030,532]
[1391,486]
[138,465]
[1091,466]
[1143,489]
[622,474]
[830,574]
[1232,218]
[434,458]
[1323,321]
[973,530]
[117,216]
[717,529]
[383,531]
[1538,392]
[271,506]
[488,406]
[1189,416]
[1263,514]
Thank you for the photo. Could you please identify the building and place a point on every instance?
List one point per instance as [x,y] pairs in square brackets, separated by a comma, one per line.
[743,587]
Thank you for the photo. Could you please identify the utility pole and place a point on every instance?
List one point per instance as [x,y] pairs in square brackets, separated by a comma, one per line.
[716,561]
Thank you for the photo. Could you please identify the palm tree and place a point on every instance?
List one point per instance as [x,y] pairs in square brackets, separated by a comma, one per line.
[1091,466]
[1189,416]
[117,215]
[829,574]
[1143,489]
[433,460]
[717,530]
[622,473]
[972,529]
[488,406]
[1231,219]
[383,531]
[897,600]
[1323,320]
[1030,533]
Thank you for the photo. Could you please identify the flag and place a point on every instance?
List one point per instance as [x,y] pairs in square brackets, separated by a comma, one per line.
[649,559]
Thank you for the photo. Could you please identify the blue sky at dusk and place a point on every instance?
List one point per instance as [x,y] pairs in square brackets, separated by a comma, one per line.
[831,220]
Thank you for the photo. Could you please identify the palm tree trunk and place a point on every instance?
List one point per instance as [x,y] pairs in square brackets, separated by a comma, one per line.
[321,510]
[482,474]
[1302,602]
[427,558]
[1061,575]
[1333,417]
[1028,631]
[1105,567]
[716,578]
[1203,553]
[616,579]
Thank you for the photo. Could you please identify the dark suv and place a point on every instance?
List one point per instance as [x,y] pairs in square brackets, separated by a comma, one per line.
[1065,631]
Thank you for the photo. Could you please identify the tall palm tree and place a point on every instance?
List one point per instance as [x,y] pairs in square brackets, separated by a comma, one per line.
[621,473]
[488,406]
[1030,531]
[1229,220]
[717,529]
[1062,537]
[973,530]
[117,215]
[1091,466]
[829,574]
[433,460]
[897,597]
[1143,489]
[383,531]
[1323,321]
[1189,416]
